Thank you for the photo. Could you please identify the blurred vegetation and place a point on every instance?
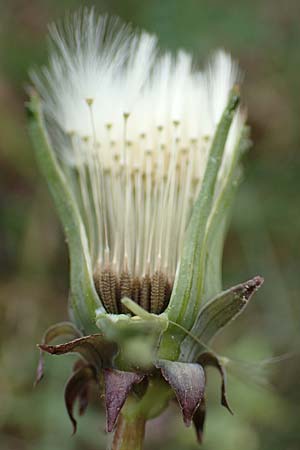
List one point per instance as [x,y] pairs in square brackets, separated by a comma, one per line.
[264,37]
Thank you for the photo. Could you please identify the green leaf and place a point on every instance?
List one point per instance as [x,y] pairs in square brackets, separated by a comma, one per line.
[215,315]
[189,282]
[84,299]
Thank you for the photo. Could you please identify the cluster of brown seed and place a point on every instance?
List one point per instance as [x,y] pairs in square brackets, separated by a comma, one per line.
[151,292]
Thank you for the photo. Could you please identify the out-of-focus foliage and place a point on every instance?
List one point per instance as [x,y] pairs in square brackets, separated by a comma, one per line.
[264,237]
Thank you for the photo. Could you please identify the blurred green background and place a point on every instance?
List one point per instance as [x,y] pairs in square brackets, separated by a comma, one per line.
[264,35]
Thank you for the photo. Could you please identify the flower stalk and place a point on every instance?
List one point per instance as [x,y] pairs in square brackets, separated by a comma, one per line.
[130,429]
[129,434]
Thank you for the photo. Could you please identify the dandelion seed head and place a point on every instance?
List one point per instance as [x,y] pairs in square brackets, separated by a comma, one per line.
[132,127]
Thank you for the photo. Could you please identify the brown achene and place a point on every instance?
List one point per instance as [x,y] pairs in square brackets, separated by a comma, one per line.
[151,292]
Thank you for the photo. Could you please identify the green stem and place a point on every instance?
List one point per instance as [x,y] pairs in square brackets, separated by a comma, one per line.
[129,434]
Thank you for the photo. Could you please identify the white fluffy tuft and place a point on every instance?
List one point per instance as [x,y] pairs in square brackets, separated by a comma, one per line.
[134,125]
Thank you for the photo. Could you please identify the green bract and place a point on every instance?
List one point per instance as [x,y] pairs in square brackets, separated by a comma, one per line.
[83,297]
